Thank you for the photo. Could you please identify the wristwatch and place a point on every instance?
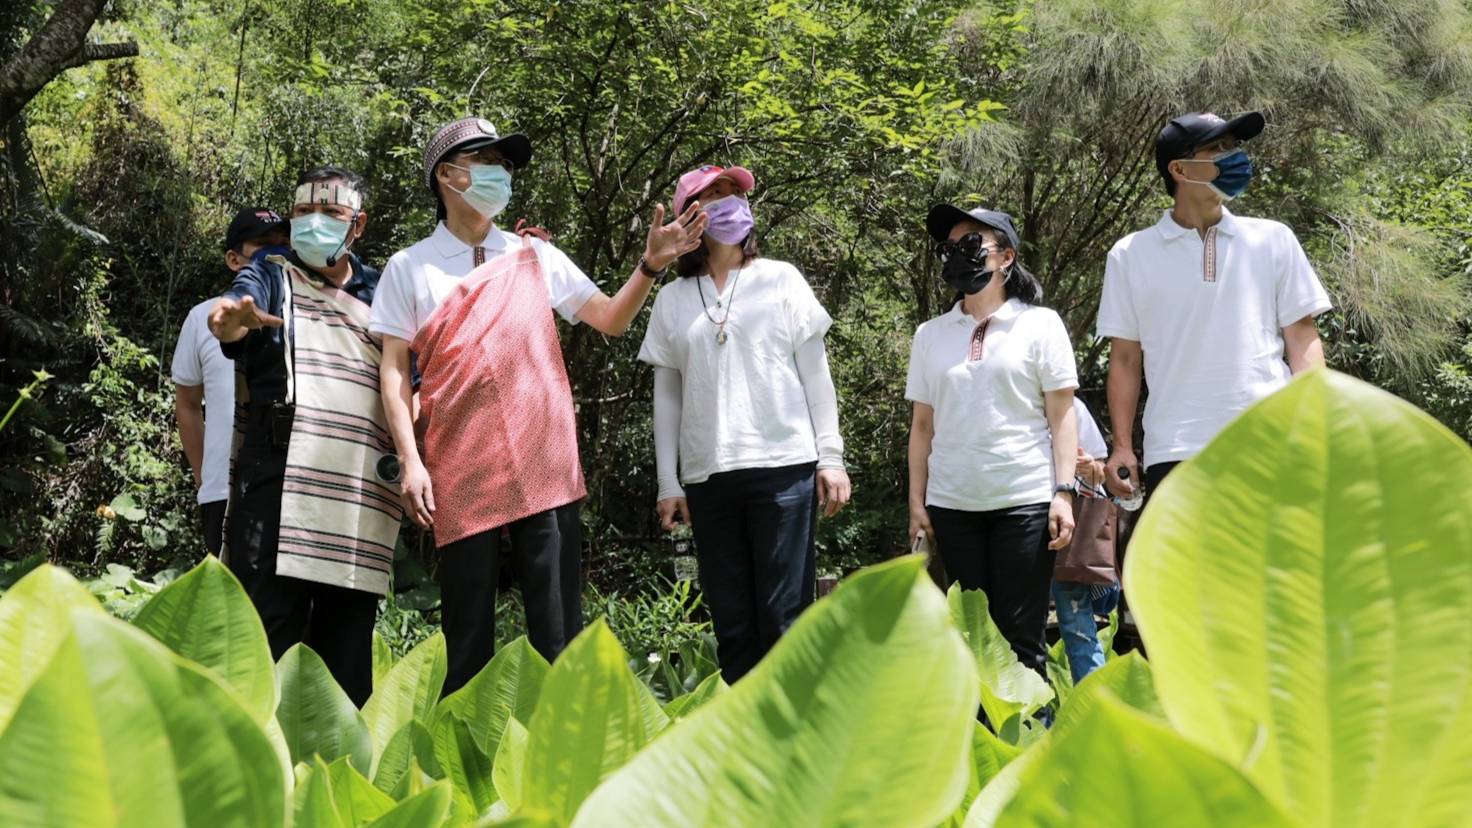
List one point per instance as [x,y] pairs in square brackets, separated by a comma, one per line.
[645,268]
[1066,488]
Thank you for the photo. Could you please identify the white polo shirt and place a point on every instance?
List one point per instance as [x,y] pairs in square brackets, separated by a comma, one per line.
[992,447]
[420,276]
[742,403]
[1211,331]
[199,361]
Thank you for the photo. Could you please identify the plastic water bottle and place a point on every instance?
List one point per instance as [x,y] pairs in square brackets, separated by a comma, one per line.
[1135,499]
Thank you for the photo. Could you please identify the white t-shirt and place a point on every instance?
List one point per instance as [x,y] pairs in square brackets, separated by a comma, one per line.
[742,403]
[419,277]
[198,361]
[1212,347]
[1090,439]
[992,447]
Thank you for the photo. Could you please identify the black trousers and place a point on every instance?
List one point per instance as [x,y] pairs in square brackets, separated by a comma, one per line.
[1156,473]
[754,546]
[212,524]
[1005,554]
[546,551]
[336,622]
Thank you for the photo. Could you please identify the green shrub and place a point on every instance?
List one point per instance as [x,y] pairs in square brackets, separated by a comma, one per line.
[1303,586]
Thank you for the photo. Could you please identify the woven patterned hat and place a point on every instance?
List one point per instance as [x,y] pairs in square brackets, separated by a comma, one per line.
[470,133]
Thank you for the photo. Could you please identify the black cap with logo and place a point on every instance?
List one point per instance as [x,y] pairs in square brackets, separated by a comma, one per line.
[252,223]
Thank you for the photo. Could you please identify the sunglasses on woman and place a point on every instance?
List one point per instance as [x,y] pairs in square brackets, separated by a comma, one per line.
[971,245]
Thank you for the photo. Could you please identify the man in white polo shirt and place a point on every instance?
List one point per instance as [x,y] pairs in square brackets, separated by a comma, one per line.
[1218,309]
[204,378]
[474,304]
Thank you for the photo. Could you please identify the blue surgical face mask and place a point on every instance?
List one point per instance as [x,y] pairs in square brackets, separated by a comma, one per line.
[1233,173]
[319,239]
[490,188]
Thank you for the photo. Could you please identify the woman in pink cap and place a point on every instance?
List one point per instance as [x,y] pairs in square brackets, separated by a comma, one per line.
[744,407]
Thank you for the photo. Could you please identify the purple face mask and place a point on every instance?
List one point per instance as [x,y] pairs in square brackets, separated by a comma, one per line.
[730,219]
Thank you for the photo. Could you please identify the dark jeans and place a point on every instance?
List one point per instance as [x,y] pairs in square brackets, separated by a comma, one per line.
[1004,553]
[754,545]
[336,622]
[546,550]
[212,523]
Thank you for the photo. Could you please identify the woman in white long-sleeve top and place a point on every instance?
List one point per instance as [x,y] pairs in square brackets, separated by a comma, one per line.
[745,421]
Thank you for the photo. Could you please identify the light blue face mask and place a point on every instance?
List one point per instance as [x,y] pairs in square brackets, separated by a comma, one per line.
[319,239]
[490,188]
[1233,173]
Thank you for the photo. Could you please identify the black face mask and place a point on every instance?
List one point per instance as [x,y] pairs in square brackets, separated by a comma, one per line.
[966,274]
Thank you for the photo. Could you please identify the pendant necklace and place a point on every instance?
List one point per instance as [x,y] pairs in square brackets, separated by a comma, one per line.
[721,335]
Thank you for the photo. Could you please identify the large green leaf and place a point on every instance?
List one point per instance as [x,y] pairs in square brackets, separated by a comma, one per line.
[336,794]
[1304,588]
[589,721]
[509,765]
[316,716]
[989,755]
[409,692]
[511,682]
[119,731]
[35,615]
[861,715]
[206,617]
[682,706]
[1120,769]
[1127,679]
[427,809]
[383,658]
[465,764]
[1008,688]
[410,749]
[987,807]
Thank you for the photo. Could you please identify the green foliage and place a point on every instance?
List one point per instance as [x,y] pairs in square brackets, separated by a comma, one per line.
[1306,622]
[315,716]
[1010,692]
[812,733]
[1154,777]
[207,618]
[1318,632]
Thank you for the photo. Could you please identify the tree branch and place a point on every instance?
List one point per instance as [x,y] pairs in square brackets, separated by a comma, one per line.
[60,44]
[92,52]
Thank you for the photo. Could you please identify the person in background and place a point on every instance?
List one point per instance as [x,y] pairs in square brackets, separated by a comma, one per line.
[1086,578]
[204,378]
[991,381]
[1217,309]
[472,305]
[746,438]
[314,512]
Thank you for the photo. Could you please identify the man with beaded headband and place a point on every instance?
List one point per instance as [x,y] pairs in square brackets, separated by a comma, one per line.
[493,446]
[314,511]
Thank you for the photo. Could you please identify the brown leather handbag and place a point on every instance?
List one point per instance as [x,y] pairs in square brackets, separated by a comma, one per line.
[1090,558]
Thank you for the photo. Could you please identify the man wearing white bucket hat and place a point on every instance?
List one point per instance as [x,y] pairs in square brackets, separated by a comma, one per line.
[473,303]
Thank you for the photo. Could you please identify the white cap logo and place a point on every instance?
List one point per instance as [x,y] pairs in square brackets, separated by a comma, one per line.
[1212,117]
[485,126]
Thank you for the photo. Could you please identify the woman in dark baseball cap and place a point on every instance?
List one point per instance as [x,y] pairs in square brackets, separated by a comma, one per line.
[991,381]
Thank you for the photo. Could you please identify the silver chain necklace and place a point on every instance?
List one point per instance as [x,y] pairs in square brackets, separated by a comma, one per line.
[721,335]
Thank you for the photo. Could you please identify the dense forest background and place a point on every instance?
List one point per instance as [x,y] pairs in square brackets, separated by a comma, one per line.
[118,176]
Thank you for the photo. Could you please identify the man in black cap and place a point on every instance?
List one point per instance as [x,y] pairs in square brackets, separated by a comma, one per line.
[1218,309]
[204,378]
[476,284]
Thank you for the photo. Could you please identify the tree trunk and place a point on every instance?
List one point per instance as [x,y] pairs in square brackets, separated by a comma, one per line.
[59,45]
